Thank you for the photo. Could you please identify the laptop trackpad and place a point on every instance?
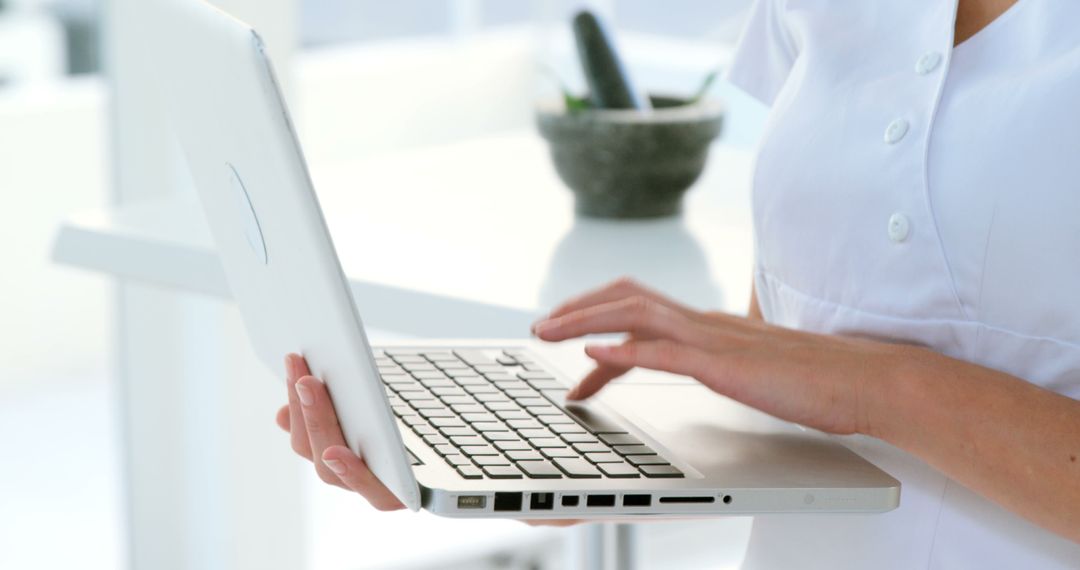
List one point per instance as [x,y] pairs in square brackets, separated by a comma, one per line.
[717,435]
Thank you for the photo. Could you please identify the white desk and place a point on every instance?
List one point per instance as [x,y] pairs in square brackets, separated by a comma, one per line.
[481,231]
[472,239]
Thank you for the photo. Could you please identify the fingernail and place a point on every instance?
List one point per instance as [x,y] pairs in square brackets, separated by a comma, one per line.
[305,395]
[543,326]
[336,466]
[596,350]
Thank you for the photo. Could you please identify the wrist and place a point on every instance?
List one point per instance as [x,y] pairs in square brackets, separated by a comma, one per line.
[888,400]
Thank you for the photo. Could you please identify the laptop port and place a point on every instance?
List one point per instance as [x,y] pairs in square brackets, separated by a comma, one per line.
[687,500]
[727,499]
[636,500]
[600,501]
[505,502]
[570,500]
[471,502]
[542,502]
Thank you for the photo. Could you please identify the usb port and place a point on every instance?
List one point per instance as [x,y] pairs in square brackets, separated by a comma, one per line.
[600,501]
[636,500]
[507,502]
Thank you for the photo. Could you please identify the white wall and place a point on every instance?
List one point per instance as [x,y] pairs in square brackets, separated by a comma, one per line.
[53,162]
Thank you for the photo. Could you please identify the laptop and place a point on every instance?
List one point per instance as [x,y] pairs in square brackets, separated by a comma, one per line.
[461,429]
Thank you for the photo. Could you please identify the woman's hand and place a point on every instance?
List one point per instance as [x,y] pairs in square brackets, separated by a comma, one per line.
[811,379]
[313,428]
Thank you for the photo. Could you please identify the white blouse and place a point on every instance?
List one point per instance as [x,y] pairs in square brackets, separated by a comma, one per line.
[912,191]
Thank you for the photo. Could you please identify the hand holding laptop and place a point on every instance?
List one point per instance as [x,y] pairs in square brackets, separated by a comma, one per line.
[312,423]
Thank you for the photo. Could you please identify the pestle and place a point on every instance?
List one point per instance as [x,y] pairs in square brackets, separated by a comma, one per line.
[610,86]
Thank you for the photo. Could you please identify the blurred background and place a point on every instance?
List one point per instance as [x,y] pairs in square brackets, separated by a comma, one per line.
[69,80]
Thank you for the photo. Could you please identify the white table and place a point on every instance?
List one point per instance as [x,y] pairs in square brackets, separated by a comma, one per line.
[471,239]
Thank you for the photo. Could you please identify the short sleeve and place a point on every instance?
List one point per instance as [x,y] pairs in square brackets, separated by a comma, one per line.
[765,53]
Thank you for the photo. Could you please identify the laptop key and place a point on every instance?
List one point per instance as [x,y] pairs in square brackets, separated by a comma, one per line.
[470,472]
[539,470]
[577,468]
[546,385]
[502,405]
[413,420]
[501,436]
[603,458]
[619,470]
[417,396]
[486,393]
[424,429]
[485,460]
[559,418]
[513,445]
[548,411]
[569,429]
[591,447]
[429,402]
[522,455]
[473,356]
[524,424]
[468,408]
[436,413]
[482,417]
[661,471]
[542,442]
[502,472]
[458,400]
[435,440]
[575,437]
[447,422]
[445,449]
[619,439]
[554,452]
[452,431]
[461,440]
[457,460]
[447,391]
[474,450]
[484,427]
[536,432]
[513,415]
[646,460]
[525,396]
[633,450]
[535,376]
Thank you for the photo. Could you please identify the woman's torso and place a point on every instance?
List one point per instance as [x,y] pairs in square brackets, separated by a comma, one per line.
[911,192]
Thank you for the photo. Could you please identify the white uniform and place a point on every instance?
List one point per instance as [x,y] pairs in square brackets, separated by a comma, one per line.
[910,191]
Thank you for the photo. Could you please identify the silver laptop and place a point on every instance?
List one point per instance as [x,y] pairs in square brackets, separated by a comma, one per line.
[462,429]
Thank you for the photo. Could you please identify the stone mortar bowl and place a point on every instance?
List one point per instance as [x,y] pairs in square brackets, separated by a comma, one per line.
[629,164]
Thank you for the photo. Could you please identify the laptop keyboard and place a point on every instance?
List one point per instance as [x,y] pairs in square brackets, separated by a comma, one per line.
[500,415]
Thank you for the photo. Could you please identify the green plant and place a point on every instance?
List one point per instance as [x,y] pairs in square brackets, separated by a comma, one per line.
[576,104]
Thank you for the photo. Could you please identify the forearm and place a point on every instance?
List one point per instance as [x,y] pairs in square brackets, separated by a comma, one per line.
[1005,438]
